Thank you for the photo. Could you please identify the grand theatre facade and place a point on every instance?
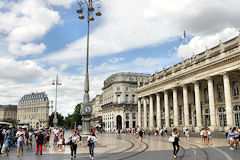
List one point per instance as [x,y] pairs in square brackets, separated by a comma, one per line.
[202,91]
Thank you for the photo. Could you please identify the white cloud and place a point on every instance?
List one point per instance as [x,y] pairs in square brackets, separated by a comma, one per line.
[198,44]
[134,25]
[65,3]
[116,59]
[26,49]
[26,21]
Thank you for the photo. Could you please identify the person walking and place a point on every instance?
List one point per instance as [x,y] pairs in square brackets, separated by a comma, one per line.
[230,136]
[39,141]
[209,136]
[141,135]
[20,135]
[60,139]
[74,139]
[187,134]
[8,139]
[1,140]
[29,138]
[91,140]
[175,134]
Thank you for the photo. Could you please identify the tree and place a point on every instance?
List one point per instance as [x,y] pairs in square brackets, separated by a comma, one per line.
[59,117]
[76,117]
[10,120]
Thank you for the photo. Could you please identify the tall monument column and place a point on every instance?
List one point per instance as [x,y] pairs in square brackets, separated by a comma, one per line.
[166,105]
[211,103]
[145,113]
[228,101]
[151,115]
[198,107]
[159,124]
[186,109]
[139,113]
[175,108]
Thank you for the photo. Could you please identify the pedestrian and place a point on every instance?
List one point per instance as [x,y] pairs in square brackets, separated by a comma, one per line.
[48,138]
[91,140]
[187,134]
[1,140]
[74,138]
[29,138]
[166,131]
[60,139]
[162,132]
[39,141]
[236,137]
[231,135]
[141,134]
[8,139]
[204,132]
[20,135]
[209,136]
[175,134]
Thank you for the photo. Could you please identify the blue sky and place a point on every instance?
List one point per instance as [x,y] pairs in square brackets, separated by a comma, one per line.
[42,38]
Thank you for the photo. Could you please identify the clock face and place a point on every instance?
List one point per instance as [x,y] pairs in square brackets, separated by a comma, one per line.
[88,109]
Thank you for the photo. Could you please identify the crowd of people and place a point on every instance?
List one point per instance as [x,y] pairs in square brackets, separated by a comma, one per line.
[11,136]
[233,137]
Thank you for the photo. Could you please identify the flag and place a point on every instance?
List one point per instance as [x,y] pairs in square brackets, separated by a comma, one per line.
[183,36]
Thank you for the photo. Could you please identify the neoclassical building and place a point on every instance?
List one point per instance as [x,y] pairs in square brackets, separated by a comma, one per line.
[119,100]
[202,91]
[8,112]
[34,109]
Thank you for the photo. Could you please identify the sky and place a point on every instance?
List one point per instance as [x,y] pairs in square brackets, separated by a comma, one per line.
[42,38]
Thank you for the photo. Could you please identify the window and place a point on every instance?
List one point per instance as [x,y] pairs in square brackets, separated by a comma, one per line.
[235,88]
[126,88]
[133,98]
[127,116]
[206,94]
[220,91]
[118,88]
[134,115]
[118,99]
[133,89]
[126,98]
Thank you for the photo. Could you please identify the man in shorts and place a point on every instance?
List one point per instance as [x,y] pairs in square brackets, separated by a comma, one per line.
[8,139]
[20,135]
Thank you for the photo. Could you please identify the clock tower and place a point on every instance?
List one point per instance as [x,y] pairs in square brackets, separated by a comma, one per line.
[86,112]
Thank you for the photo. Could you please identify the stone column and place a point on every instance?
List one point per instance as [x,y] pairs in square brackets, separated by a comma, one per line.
[145,113]
[151,115]
[185,103]
[175,108]
[139,113]
[211,103]
[159,125]
[166,109]
[228,100]
[198,107]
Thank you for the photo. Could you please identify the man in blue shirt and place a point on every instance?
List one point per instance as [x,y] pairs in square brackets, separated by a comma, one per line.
[8,139]
[230,136]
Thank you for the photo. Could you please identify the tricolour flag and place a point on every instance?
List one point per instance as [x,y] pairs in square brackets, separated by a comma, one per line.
[183,36]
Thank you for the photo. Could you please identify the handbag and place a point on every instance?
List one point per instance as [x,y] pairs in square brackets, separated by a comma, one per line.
[171,139]
[3,148]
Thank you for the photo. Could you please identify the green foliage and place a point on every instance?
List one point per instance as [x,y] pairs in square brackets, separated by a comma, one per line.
[10,120]
[72,118]
[59,117]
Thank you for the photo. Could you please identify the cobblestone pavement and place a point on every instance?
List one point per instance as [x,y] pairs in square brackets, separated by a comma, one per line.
[112,147]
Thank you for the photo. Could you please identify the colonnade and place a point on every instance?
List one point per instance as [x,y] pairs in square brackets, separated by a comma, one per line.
[164,102]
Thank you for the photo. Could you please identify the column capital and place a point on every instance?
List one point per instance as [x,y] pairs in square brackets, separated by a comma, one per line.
[184,85]
[196,82]
[174,88]
[225,74]
[209,78]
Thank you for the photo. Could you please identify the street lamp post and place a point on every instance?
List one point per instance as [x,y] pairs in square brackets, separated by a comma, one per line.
[55,120]
[86,108]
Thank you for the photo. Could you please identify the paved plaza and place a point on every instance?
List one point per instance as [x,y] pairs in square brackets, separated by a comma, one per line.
[112,147]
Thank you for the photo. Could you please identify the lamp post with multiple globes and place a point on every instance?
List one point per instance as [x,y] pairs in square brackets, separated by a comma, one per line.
[55,120]
[86,108]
